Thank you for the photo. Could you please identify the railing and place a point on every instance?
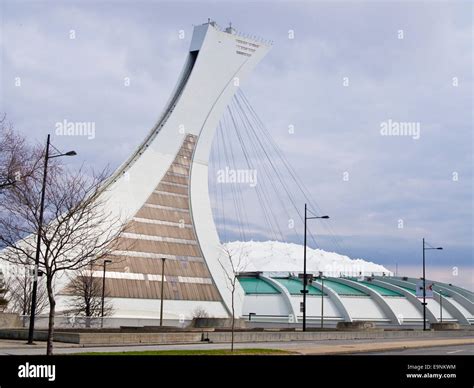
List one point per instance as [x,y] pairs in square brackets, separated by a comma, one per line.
[254,317]
[334,274]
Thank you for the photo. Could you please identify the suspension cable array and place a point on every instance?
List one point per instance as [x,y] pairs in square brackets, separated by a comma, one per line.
[249,168]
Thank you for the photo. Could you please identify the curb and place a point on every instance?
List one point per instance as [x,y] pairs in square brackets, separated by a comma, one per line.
[389,348]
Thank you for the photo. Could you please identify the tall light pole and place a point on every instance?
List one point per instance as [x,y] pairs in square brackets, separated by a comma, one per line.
[440,306]
[305,276]
[47,157]
[424,281]
[162,288]
[103,292]
[322,298]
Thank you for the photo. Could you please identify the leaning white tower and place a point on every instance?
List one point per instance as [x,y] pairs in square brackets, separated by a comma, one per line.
[162,191]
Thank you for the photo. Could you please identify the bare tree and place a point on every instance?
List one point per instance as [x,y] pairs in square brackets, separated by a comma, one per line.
[86,296]
[17,159]
[19,287]
[237,265]
[200,312]
[3,299]
[77,229]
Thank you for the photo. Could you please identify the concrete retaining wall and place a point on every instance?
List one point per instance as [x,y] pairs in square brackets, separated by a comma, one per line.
[106,338]
[91,339]
[138,338]
[9,320]
[218,323]
[40,335]
[357,325]
[445,326]
[320,336]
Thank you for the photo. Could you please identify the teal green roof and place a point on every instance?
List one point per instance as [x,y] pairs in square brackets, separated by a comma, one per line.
[257,286]
[464,292]
[410,289]
[295,286]
[381,290]
[408,286]
[342,289]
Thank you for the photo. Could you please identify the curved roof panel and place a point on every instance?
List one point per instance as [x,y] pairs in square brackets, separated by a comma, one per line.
[381,290]
[294,286]
[342,289]
[463,291]
[408,288]
[252,285]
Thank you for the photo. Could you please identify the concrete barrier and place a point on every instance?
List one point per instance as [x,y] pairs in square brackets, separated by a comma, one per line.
[144,338]
[356,325]
[138,338]
[445,326]
[9,320]
[39,335]
[220,323]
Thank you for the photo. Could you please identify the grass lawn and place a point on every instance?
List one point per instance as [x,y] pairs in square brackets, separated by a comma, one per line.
[210,352]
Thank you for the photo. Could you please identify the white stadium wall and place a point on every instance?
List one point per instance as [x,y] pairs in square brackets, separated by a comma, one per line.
[387,301]
[164,187]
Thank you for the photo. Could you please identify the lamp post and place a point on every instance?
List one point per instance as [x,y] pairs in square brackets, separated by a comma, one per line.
[162,289]
[103,292]
[440,306]
[305,278]
[34,292]
[424,281]
[322,298]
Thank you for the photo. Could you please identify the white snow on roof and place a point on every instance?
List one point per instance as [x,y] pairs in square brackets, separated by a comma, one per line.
[276,256]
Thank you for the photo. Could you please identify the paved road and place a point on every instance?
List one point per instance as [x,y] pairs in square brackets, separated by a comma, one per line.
[462,350]
[19,347]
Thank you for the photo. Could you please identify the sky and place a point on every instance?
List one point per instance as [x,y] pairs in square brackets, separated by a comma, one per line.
[337,73]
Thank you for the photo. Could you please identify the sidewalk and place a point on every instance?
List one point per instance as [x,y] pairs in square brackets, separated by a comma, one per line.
[380,347]
[21,344]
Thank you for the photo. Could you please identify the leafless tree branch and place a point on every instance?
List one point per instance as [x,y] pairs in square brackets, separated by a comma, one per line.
[77,230]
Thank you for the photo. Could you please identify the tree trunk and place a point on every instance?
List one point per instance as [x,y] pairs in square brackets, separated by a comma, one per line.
[233,322]
[88,314]
[52,309]
[26,298]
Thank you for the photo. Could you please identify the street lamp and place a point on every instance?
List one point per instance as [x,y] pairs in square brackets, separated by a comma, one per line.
[440,292]
[163,259]
[47,156]
[103,292]
[424,281]
[322,298]
[305,276]
[103,288]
